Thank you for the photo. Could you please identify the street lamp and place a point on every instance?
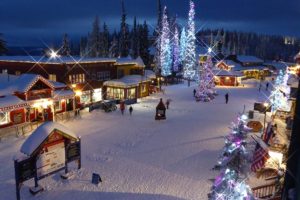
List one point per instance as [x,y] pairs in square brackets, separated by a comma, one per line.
[266,105]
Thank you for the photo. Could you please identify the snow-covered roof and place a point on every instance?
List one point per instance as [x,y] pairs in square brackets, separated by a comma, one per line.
[249,59]
[41,134]
[57,84]
[150,74]
[63,94]
[230,63]
[241,68]
[126,81]
[11,102]
[278,65]
[71,60]
[227,73]
[293,79]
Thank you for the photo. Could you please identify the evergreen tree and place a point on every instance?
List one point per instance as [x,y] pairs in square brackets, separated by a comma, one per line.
[183,41]
[65,49]
[157,35]
[3,47]
[134,40]
[105,41]
[144,43]
[165,47]
[114,46]
[124,34]
[94,40]
[176,49]
[190,61]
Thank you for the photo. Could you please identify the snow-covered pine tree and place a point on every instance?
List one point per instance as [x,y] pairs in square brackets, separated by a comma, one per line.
[144,43]
[190,64]
[65,48]
[183,46]
[124,34]
[94,39]
[114,46]
[157,35]
[104,41]
[83,46]
[134,40]
[165,47]
[176,49]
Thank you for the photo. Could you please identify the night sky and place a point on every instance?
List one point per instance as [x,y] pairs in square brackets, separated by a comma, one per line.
[30,22]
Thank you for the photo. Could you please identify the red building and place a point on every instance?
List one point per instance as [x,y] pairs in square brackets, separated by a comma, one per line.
[28,98]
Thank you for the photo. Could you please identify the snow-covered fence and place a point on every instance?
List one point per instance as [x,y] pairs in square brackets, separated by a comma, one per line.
[65,116]
[18,130]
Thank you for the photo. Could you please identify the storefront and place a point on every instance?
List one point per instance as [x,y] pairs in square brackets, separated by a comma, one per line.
[228,78]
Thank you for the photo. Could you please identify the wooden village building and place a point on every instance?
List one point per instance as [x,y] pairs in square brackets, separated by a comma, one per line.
[86,76]
[31,98]
[250,66]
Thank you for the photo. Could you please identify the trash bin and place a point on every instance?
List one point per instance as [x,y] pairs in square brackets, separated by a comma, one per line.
[251,114]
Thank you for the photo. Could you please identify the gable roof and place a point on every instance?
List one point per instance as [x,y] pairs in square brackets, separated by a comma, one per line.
[38,137]
[23,83]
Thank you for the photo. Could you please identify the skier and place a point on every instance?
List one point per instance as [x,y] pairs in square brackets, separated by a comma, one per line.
[267,86]
[122,107]
[226,97]
[194,92]
[130,110]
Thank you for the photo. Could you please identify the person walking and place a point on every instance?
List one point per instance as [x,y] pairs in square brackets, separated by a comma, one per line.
[267,86]
[130,110]
[122,107]
[226,97]
[259,88]
[168,103]
[194,92]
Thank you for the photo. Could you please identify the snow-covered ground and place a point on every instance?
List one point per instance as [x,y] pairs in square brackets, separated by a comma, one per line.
[140,158]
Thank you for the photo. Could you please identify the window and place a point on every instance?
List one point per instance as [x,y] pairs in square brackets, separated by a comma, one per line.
[18,73]
[115,93]
[102,76]
[57,105]
[77,78]
[143,88]
[4,118]
[131,93]
[52,77]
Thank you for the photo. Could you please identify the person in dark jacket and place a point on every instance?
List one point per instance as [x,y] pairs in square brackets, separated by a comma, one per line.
[130,110]
[194,92]
[226,97]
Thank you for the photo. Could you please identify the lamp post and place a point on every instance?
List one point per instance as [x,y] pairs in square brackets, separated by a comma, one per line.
[266,105]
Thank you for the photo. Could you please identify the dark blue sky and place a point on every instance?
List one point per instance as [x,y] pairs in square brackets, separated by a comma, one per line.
[28,22]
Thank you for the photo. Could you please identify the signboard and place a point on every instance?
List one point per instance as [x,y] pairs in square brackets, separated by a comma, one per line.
[73,151]
[51,159]
[25,169]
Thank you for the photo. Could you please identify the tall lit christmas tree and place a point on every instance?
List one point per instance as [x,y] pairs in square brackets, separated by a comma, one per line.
[183,40]
[205,91]
[165,47]
[190,63]
[176,50]
[280,94]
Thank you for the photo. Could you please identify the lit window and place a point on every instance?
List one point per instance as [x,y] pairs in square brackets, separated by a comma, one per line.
[4,118]
[52,77]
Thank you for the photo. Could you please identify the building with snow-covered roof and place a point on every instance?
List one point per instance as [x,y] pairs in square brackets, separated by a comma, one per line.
[31,97]
[127,87]
[84,75]
[228,78]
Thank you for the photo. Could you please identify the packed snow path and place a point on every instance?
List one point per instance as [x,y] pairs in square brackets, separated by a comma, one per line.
[140,158]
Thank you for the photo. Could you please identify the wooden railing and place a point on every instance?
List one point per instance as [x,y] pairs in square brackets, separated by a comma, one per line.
[266,192]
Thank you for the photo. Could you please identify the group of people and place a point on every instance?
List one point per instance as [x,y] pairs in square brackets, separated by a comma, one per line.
[122,108]
[226,96]
[260,85]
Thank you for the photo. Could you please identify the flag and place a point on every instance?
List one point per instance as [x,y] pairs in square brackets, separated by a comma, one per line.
[268,133]
[260,157]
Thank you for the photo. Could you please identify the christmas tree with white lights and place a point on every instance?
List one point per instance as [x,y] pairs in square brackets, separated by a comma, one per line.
[165,47]
[280,94]
[183,40]
[205,91]
[190,63]
[176,50]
